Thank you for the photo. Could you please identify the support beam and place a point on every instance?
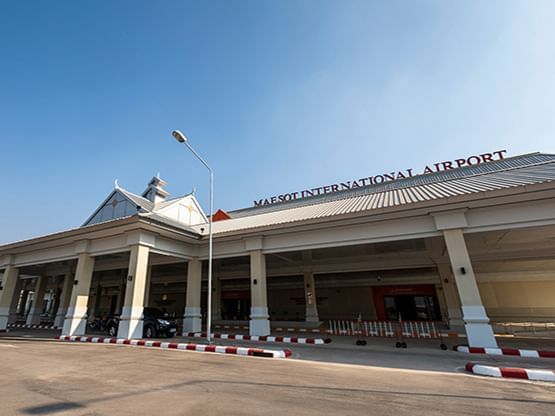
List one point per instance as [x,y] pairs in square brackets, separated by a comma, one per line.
[310,298]
[9,284]
[259,323]
[35,313]
[75,322]
[478,329]
[65,297]
[216,297]
[451,296]
[192,320]
[131,320]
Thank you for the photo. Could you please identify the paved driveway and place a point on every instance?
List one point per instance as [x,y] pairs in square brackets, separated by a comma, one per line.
[85,379]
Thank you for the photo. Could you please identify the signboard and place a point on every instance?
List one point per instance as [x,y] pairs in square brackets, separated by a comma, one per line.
[385,177]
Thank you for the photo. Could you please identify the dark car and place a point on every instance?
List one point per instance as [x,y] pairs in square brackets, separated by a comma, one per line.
[155,324]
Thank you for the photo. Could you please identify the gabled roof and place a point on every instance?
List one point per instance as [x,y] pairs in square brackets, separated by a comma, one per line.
[136,204]
[138,200]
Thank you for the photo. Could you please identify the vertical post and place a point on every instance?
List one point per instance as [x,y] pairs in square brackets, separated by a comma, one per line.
[453,303]
[216,298]
[56,302]
[75,322]
[310,298]
[192,320]
[65,297]
[477,324]
[9,283]
[131,320]
[35,313]
[259,323]
[147,285]
[23,304]
[15,301]
[121,296]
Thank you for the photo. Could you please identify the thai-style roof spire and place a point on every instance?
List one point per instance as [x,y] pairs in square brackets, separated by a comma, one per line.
[155,191]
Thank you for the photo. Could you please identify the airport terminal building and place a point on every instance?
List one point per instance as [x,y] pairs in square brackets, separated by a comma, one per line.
[469,242]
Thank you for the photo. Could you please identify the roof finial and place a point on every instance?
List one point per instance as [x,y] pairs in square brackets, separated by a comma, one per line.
[116,184]
[158,174]
[193,191]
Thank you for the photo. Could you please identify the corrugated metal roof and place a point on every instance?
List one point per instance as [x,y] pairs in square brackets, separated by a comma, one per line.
[463,172]
[508,173]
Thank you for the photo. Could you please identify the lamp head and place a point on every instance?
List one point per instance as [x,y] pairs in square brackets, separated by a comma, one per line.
[180,137]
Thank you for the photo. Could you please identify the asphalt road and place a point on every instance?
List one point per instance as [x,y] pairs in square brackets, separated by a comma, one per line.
[50,378]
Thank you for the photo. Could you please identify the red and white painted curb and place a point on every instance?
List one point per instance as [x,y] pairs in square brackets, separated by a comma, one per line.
[219,349]
[261,338]
[504,351]
[32,326]
[510,372]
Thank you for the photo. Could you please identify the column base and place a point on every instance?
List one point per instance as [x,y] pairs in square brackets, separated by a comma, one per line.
[312,316]
[59,320]
[259,323]
[131,323]
[192,320]
[4,316]
[479,332]
[480,335]
[75,322]
[33,318]
[12,318]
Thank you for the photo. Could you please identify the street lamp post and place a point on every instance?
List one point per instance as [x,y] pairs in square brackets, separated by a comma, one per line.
[181,138]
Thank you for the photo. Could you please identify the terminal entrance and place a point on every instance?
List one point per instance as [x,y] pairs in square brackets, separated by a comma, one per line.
[406,302]
[236,305]
[411,308]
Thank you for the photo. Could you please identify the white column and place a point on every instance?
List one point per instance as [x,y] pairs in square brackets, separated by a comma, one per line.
[65,296]
[478,329]
[34,316]
[23,303]
[15,301]
[452,301]
[75,322]
[131,320]
[9,284]
[310,298]
[147,285]
[259,323]
[216,298]
[192,320]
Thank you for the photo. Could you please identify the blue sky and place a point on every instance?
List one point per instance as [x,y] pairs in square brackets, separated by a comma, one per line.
[277,95]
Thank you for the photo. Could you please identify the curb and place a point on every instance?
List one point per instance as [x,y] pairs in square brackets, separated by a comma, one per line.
[261,338]
[504,351]
[33,326]
[218,349]
[511,372]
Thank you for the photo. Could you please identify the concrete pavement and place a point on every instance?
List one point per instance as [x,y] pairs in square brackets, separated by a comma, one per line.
[84,379]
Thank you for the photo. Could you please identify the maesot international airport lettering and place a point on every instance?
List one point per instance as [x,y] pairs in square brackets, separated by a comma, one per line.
[385,177]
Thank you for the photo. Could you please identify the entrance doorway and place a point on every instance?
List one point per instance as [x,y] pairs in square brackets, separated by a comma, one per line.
[411,308]
[236,305]
[409,302]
